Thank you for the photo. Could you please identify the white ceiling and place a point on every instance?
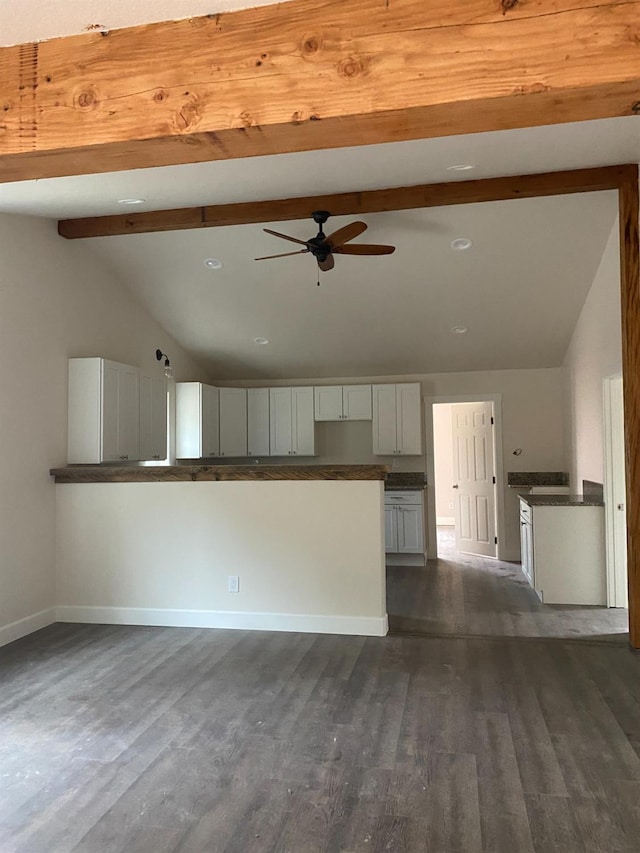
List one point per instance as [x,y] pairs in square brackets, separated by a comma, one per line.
[520,288]
[36,20]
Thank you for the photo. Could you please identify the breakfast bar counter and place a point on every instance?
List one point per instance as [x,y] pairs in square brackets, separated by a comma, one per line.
[288,548]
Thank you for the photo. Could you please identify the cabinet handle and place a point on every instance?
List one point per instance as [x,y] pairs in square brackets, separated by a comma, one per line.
[125,456]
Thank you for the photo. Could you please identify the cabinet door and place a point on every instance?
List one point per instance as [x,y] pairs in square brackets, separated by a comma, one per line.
[258,421]
[303,424]
[384,420]
[110,412]
[526,547]
[129,413]
[409,419]
[410,530]
[233,421]
[153,418]
[356,402]
[390,530]
[328,402]
[210,426]
[280,436]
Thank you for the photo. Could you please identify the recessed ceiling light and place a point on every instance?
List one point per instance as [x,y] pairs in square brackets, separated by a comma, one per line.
[461,243]
[213,264]
[131,201]
[261,341]
[459,330]
[460,167]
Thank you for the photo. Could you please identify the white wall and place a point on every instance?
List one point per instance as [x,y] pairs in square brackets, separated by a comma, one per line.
[595,352]
[443,458]
[56,301]
[309,554]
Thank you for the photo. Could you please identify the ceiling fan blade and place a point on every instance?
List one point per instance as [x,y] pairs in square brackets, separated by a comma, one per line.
[285,236]
[285,255]
[364,249]
[327,264]
[343,235]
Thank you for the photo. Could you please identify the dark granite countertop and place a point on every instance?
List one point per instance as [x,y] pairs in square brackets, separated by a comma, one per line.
[399,481]
[562,500]
[524,479]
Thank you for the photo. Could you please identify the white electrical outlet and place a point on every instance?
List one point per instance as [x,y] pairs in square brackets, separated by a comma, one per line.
[233,583]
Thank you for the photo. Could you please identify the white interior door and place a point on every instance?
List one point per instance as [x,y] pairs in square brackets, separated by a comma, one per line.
[474,472]
[615,494]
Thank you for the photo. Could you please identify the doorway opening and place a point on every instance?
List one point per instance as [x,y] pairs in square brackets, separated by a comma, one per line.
[464,468]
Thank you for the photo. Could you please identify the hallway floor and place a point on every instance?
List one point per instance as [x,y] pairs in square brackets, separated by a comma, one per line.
[473,596]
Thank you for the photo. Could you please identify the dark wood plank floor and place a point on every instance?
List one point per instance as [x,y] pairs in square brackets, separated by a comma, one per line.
[128,740]
[472,596]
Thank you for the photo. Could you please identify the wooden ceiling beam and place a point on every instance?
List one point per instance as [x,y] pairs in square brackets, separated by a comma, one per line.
[352,203]
[311,74]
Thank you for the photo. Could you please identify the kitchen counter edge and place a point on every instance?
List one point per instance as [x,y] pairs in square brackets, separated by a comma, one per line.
[215,473]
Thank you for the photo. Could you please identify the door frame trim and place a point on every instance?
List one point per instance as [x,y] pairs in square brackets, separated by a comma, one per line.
[496,399]
[616,597]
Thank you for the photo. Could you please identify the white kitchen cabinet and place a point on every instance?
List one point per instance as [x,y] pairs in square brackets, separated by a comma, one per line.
[397,420]
[233,421]
[292,427]
[342,402]
[563,554]
[404,522]
[258,421]
[153,418]
[197,421]
[103,412]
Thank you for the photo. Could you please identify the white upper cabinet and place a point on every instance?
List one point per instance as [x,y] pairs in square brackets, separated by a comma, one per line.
[233,421]
[292,428]
[303,425]
[328,402]
[197,421]
[343,402]
[356,402]
[258,421]
[104,413]
[153,418]
[397,420]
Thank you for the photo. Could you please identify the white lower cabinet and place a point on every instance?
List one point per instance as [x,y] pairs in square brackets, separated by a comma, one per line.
[292,426]
[397,420]
[258,421]
[563,552]
[233,421]
[197,421]
[153,418]
[403,522]
[103,411]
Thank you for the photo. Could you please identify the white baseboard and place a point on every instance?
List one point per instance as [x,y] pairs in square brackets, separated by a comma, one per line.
[445,521]
[22,627]
[364,626]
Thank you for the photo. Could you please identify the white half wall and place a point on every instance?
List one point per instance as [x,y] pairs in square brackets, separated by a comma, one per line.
[309,555]
[56,301]
[595,352]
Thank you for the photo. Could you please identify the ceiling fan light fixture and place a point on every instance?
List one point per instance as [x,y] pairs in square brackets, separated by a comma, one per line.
[461,244]
[213,264]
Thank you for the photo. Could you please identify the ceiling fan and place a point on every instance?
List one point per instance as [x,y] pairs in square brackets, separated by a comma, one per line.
[324,247]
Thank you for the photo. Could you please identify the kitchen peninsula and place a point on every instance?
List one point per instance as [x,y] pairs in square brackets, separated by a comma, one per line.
[165,545]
